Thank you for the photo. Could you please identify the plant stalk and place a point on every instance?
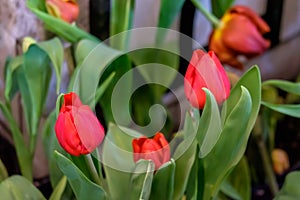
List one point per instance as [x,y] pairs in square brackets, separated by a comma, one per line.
[212,18]
[267,164]
[92,169]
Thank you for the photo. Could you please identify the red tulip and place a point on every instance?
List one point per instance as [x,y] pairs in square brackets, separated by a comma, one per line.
[156,149]
[240,33]
[77,129]
[205,71]
[66,10]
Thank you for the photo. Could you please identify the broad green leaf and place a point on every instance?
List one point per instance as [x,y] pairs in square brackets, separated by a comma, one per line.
[83,48]
[219,7]
[183,168]
[163,182]
[141,180]
[55,51]
[287,109]
[121,18]
[169,10]
[63,29]
[37,75]
[290,189]
[157,65]
[3,171]
[23,154]
[284,85]
[117,160]
[19,188]
[81,185]
[115,110]
[230,147]
[11,85]
[209,129]
[59,189]
[238,183]
[85,79]
[195,185]
[252,81]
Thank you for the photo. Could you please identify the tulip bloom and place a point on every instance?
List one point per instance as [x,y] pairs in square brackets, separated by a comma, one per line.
[156,149]
[77,129]
[66,10]
[240,33]
[205,71]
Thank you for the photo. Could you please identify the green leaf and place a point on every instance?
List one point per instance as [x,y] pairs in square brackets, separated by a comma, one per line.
[37,75]
[23,154]
[63,29]
[167,14]
[284,85]
[163,182]
[238,183]
[11,84]
[59,189]
[230,147]
[3,171]
[209,129]
[83,48]
[157,65]
[141,180]
[81,185]
[287,109]
[183,168]
[19,188]
[219,7]
[290,189]
[121,18]
[117,160]
[55,51]
[115,110]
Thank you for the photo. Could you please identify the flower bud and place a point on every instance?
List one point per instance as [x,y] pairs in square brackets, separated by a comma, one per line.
[205,71]
[280,161]
[66,10]
[240,33]
[77,128]
[156,149]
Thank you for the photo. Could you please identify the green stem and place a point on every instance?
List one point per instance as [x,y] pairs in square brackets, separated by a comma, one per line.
[267,165]
[212,18]
[92,169]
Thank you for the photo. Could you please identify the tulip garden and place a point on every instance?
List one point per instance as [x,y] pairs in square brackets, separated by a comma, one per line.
[110,134]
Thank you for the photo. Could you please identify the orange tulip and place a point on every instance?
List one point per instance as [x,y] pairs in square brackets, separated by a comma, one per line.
[66,10]
[77,128]
[156,149]
[240,33]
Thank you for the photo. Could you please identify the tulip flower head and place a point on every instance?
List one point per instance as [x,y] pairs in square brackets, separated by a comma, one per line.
[77,128]
[156,149]
[240,33]
[205,71]
[66,10]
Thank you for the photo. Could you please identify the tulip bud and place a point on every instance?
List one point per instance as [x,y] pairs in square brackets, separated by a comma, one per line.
[66,10]
[205,71]
[156,149]
[77,128]
[240,33]
[280,161]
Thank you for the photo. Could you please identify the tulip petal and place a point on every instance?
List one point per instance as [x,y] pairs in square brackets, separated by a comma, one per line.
[90,131]
[242,36]
[261,25]
[66,134]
